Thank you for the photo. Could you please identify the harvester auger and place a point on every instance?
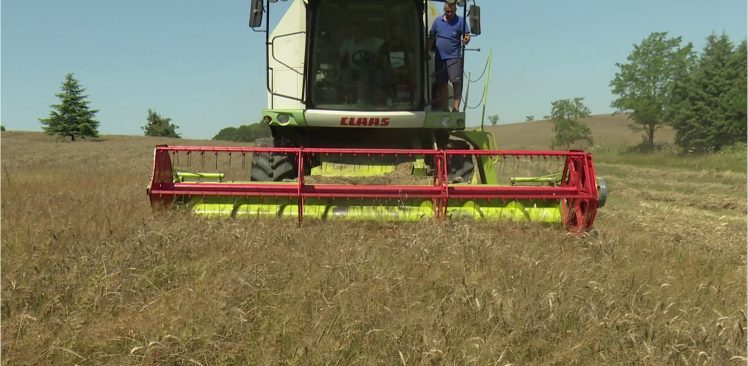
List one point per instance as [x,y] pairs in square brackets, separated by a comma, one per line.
[358,136]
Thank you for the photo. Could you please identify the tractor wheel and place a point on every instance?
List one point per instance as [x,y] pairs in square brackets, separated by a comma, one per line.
[460,167]
[272,167]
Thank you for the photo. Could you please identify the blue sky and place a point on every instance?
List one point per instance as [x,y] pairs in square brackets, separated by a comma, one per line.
[198,63]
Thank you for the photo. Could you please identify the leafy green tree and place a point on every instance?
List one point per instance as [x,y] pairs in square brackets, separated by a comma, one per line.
[708,108]
[72,117]
[529,118]
[227,134]
[494,119]
[643,85]
[244,133]
[565,116]
[158,126]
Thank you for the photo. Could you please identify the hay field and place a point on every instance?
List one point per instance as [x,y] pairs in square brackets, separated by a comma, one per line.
[91,277]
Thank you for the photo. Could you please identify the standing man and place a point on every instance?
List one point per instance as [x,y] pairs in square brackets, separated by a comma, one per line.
[448,33]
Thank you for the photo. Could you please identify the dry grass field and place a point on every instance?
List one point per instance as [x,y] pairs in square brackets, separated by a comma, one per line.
[90,276]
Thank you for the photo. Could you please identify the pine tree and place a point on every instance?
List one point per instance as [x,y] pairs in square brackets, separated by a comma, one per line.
[737,128]
[72,117]
[707,108]
[159,126]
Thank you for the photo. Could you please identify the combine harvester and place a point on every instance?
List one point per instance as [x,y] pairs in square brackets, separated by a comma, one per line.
[361,137]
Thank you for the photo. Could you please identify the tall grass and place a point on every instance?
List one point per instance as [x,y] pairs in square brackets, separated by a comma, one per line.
[730,159]
[91,276]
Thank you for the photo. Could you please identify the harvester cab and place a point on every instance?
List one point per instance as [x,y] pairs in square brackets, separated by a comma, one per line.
[359,132]
[354,74]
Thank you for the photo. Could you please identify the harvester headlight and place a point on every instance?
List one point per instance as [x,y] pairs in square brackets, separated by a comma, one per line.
[283,118]
[266,119]
[461,123]
[445,121]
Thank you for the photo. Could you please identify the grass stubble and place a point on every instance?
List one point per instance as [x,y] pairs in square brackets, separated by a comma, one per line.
[91,276]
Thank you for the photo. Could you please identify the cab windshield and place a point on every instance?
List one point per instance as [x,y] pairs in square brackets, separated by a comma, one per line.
[365,55]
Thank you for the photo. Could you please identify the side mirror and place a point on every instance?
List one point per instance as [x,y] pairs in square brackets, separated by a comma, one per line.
[474,19]
[256,13]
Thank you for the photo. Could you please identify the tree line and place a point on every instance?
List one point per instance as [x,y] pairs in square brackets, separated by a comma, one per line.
[664,82]
[702,96]
[73,118]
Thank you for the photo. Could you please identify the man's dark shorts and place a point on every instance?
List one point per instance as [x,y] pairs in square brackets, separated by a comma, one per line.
[448,70]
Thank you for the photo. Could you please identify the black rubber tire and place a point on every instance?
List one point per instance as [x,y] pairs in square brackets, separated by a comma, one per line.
[461,168]
[272,167]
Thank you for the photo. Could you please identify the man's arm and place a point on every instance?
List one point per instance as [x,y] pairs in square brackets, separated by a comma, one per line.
[466,36]
[431,40]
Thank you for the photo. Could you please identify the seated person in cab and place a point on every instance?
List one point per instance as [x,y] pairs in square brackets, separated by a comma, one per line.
[400,58]
[361,62]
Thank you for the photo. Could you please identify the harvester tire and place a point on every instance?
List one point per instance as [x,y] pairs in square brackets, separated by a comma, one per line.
[461,168]
[271,167]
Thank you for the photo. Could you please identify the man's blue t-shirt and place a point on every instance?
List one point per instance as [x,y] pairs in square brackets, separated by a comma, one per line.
[449,36]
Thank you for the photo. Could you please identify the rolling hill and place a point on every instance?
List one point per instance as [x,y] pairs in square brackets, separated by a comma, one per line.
[606,130]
